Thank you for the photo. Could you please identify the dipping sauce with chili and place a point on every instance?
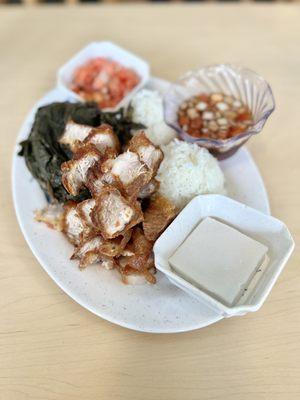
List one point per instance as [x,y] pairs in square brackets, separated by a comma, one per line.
[214,116]
[104,81]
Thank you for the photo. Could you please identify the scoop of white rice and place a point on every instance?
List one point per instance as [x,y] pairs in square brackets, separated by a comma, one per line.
[147,109]
[188,170]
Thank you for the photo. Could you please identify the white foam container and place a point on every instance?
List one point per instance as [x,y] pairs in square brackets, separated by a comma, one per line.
[261,227]
[108,50]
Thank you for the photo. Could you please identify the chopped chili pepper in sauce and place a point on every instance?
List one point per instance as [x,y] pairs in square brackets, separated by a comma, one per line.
[104,81]
[214,116]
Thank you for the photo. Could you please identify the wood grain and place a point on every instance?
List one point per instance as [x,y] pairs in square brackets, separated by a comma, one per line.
[50,347]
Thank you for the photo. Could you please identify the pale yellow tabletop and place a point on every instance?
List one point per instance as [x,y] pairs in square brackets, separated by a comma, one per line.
[51,348]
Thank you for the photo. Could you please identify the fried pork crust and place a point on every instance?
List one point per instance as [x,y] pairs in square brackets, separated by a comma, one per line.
[149,189]
[127,173]
[73,226]
[94,249]
[74,172]
[157,217]
[74,134]
[89,252]
[94,180]
[139,265]
[113,214]
[132,277]
[148,154]
[52,216]
[104,139]
[141,248]
[84,211]
[91,243]
[97,179]
[115,247]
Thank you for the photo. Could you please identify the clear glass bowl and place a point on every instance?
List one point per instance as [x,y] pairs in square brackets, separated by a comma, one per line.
[242,83]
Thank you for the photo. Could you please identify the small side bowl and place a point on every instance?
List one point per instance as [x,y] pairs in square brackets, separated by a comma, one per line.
[107,50]
[242,83]
[261,227]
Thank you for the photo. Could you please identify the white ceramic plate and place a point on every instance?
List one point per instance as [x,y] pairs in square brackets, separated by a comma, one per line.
[162,308]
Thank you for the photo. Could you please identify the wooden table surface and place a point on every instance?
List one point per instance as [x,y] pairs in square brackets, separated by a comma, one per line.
[51,348]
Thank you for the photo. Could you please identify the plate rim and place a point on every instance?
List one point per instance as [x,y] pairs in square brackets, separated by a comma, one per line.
[66,289]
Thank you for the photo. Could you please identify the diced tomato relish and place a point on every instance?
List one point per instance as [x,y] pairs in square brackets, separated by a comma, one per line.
[104,81]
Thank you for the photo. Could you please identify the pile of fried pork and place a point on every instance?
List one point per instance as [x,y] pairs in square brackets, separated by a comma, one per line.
[118,225]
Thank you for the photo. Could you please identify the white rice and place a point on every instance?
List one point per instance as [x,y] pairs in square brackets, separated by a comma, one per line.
[187,171]
[147,109]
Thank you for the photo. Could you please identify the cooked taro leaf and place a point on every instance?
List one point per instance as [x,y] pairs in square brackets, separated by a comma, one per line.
[44,154]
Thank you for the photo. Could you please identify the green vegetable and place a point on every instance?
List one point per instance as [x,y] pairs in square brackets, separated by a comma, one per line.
[44,154]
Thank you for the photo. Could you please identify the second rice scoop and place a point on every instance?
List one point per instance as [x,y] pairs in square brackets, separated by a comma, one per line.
[188,170]
[147,109]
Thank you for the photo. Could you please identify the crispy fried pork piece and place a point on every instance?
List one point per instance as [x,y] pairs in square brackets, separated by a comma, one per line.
[128,173]
[138,266]
[141,248]
[88,252]
[104,139]
[92,257]
[113,214]
[107,165]
[127,252]
[52,216]
[132,276]
[94,181]
[89,258]
[73,225]
[75,171]
[150,263]
[157,217]
[74,134]
[84,210]
[149,154]
[108,263]
[115,247]
[97,180]
[92,243]
[149,189]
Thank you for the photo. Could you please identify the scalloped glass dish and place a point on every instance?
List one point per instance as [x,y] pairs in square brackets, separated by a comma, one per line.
[242,83]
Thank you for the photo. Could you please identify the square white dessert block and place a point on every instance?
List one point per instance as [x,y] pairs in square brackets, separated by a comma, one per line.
[261,227]
[219,260]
